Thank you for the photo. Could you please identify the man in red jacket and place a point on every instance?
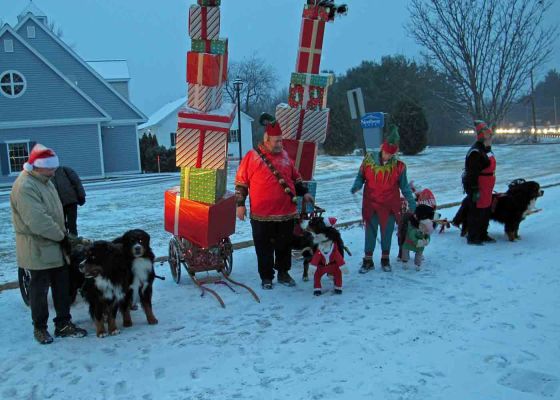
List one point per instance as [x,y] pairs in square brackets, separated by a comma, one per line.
[271,180]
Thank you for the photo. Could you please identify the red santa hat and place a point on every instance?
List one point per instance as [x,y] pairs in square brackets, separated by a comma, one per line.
[41,157]
[427,198]
[330,221]
[271,126]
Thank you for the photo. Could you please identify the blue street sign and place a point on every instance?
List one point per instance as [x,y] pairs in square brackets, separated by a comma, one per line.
[373,120]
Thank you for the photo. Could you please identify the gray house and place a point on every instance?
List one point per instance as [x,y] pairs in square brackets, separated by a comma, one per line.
[50,95]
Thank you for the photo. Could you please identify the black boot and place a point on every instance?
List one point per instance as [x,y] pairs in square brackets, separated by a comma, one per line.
[285,279]
[42,336]
[367,265]
[386,264]
[70,330]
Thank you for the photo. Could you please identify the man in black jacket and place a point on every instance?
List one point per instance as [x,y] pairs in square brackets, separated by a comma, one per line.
[71,193]
[478,181]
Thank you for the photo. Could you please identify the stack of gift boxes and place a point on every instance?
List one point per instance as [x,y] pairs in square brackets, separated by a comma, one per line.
[200,209]
[305,119]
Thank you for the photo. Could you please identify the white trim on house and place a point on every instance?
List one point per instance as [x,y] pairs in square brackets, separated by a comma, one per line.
[51,122]
[7,28]
[121,122]
[12,84]
[81,61]
[101,155]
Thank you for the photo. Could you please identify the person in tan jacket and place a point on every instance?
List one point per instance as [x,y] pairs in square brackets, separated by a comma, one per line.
[38,222]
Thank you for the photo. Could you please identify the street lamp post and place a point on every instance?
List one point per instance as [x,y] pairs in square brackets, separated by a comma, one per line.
[238,86]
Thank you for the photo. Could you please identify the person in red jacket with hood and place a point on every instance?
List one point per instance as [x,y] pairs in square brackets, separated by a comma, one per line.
[268,176]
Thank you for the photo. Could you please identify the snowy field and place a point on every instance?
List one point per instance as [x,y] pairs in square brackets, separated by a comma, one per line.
[475,323]
[114,207]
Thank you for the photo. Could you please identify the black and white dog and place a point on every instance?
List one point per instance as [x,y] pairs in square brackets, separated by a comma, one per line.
[139,259]
[106,287]
[509,208]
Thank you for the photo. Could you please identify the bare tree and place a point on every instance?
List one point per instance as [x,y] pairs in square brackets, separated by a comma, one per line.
[488,48]
[259,81]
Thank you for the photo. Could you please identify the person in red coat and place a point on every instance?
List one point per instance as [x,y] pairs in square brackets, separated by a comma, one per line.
[268,176]
[383,177]
[478,182]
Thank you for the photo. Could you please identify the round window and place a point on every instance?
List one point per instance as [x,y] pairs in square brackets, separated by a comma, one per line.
[12,84]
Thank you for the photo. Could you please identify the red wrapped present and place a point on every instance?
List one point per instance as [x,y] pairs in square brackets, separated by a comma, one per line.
[310,46]
[204,22]
[202,224]
[202,138]
[307,96]
[204,98]
[316,12]
[303,154]
[302,124]
[206,69]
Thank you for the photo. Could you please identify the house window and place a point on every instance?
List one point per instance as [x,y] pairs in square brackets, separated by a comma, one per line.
[31,32]
[12,84]
[234,135]
[172,137]
[8,45]
[18,153]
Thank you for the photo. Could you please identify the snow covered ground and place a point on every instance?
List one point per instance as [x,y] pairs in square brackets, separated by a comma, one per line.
[114,207]
[475,323]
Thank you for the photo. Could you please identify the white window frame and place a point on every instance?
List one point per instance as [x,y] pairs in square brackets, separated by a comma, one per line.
[8,46]
[8,143]
[233,133]
[31,34]
[24,83]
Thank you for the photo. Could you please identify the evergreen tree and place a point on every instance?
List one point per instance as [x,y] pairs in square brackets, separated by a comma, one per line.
[413,127]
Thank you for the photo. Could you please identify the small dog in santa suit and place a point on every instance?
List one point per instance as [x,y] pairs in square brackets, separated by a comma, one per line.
[416,228]
[329,252]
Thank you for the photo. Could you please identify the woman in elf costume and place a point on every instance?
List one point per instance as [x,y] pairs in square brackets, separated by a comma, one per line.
[384,177]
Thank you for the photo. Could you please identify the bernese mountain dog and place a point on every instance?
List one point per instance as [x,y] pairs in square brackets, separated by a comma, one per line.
[107,281]
[509,208]
[139,260]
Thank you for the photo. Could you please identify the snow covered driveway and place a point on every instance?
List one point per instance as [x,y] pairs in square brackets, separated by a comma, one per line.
[475,323]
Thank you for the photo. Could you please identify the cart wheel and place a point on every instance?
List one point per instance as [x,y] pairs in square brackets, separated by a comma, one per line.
[174,259]
[227,255]
[24,277]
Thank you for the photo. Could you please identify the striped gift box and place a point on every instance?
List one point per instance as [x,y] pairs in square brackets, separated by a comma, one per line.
[301,124]
[204,98]
[202,138]
[201,148]
[204,22]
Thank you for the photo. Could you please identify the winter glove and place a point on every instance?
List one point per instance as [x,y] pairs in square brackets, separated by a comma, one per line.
[81,201]
[422,243]
[475,196]
[66,246]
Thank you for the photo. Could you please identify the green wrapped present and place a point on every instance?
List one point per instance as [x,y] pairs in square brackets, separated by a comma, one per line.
[209,3]
[202,184]
[322,80]
[213,46]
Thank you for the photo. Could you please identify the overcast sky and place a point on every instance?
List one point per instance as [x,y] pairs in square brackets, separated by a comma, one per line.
[152,36]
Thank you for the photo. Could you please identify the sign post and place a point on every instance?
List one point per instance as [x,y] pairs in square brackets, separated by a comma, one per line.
[372,125]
